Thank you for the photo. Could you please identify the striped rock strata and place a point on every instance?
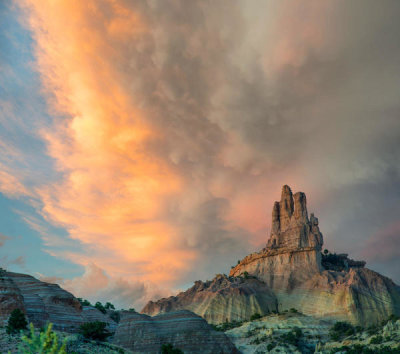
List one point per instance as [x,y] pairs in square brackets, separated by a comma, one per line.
[183,329]
[44,302]
[219,300]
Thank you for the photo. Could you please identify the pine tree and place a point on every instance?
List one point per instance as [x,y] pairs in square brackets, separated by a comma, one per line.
[16,322]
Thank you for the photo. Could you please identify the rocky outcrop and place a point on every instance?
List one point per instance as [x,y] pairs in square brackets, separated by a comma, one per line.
[183,329]
[221,299]
[10,297]
[44,302]
[292,273]
[291,266]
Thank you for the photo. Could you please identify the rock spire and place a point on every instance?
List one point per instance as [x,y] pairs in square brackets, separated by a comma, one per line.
[291,228]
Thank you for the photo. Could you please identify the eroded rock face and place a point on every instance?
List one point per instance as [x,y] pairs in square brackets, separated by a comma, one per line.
[44,302]
[292,275]
[183,329]
[291,266]
[291,228]
[10,297]
[219,300]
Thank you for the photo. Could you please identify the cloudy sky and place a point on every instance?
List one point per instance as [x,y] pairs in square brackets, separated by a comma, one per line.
[142,143]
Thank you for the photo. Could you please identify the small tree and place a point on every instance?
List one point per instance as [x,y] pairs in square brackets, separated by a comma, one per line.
[109,306]
[16,322]
[326,251]
[45,342]
[95,330]
[169,349]
[84,302]
[100,307]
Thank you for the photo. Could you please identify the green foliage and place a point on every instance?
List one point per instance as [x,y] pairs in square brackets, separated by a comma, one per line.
[376,340]
[109,306]
[44,342]
[255,316]
[222,327]
[132,310]
[169,349]
[84,302]
[16,322]
[293,310]
[364,349]
[100,307]
[326,251]
[271,346]
[340,330]
[115,316]
[95,330]
[293,337]
[246,275]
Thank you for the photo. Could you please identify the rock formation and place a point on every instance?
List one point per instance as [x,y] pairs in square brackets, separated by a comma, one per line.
[183,329]
[221,299]
[291,266]
[294,273]
[44,302]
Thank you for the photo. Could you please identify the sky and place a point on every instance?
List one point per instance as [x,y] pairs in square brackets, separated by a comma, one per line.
[142,143]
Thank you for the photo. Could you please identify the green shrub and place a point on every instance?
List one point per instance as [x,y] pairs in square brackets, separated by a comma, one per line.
[293,310]
[246,275]
[109,306]
[132,310]
[84,302]
[255,316]
[293,337]
[95,330]
[169,349]
[100,307]
[271,346]
[16,322]
[341,329]
[376,340]
[44,342]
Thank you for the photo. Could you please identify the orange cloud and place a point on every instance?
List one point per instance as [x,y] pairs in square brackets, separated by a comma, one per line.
[112,191]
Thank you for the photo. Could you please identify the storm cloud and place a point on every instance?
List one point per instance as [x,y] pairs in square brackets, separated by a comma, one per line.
[174,126]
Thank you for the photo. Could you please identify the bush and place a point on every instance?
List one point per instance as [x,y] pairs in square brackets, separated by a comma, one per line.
[109,306]
[16,322]
[255,316]
[293,310]
[100,307]
[95,330]
[132,310]
[45,342]
[293,337]
[271,346]
[376,340]
[341,329]
[84,302]
[169,349]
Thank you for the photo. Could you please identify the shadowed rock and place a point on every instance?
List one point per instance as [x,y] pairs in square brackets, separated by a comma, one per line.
[183,329]
[44,302]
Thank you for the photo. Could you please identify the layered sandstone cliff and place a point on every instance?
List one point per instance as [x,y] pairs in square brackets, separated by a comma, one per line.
[183,329]
[294,274]
[44,302]
[221,299]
